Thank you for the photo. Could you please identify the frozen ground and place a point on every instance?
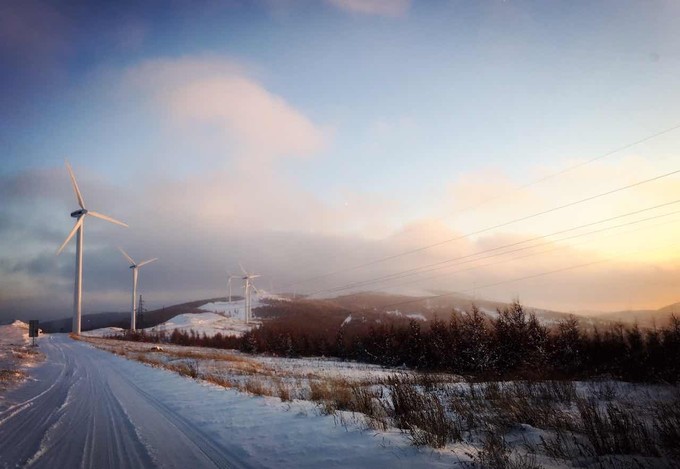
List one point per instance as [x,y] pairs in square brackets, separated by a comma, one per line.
[17,356]
[85,407]
[528,415]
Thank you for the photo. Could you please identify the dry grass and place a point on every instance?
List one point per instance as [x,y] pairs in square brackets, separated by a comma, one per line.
[11,376]
[432,411]
[417,409]
[218,380]
[667,426]
[496,454]
[283,391]
[208,354]
[255,387]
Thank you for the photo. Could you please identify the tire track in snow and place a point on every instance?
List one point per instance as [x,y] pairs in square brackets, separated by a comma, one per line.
[83,411]
[203,442]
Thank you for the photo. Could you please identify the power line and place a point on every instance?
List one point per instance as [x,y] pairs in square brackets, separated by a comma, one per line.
[541,274]
[417,270]
[537,181]
[439,264]
[527,277]
[570,168]
[484,230]
[555,248]
[504,253]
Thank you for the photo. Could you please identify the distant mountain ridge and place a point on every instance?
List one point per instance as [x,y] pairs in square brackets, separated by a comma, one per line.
[373,305]
[645,317]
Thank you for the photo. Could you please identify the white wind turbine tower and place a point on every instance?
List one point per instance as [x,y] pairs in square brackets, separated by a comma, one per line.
[135,268]
[248,285]
[79,227]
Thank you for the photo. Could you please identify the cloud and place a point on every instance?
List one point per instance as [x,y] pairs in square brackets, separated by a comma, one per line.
[217,98]
[489,197]
[202,225]
[226,190]
[391,8]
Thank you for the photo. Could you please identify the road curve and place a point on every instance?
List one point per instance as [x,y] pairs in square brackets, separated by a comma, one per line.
[83,408]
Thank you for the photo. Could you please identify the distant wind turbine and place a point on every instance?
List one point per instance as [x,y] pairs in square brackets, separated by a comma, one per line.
[248,285]
[79,228]
[135,268]
[229,283]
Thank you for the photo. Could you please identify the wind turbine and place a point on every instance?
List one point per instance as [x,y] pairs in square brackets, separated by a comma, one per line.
[229,283]
[135,268]
[79,228]
[248,284]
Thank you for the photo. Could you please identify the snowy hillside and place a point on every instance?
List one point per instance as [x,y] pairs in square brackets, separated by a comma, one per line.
[205,323]
[236,309]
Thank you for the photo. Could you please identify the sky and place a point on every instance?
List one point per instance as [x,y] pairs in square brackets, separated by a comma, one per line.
[309,138]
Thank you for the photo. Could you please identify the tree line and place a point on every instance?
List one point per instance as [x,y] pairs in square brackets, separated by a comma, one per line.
[512,345]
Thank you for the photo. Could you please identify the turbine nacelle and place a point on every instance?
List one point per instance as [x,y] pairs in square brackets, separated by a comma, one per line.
[133,264]
[79,213]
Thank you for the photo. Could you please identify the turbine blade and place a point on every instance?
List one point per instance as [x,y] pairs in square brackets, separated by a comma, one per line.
[109,219]
[70,235]
[147,262]
[255,276]
[242,269]
[255,288]
[79,196]
[126,255]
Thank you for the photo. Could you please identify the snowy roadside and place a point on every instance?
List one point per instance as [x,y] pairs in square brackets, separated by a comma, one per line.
[16,354]
[534,424]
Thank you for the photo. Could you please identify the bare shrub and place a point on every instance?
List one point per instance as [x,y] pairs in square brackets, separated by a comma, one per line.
[255,386]
[667,426]
[332,395]
[562,445]
[604,390]
[557,391]
[218,379]
[616,430]
[511,404]
[495,454]
[282,391]
[144,358]
[421,413]
[8,376]
[367,401]
[188,368]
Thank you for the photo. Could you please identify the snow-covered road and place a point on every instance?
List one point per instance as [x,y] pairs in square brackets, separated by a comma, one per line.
[88,408]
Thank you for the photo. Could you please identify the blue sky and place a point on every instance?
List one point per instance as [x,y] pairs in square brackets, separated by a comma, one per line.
[384,109]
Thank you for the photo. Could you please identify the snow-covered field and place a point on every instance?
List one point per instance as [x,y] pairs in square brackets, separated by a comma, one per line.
[545,423]
[554,424]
